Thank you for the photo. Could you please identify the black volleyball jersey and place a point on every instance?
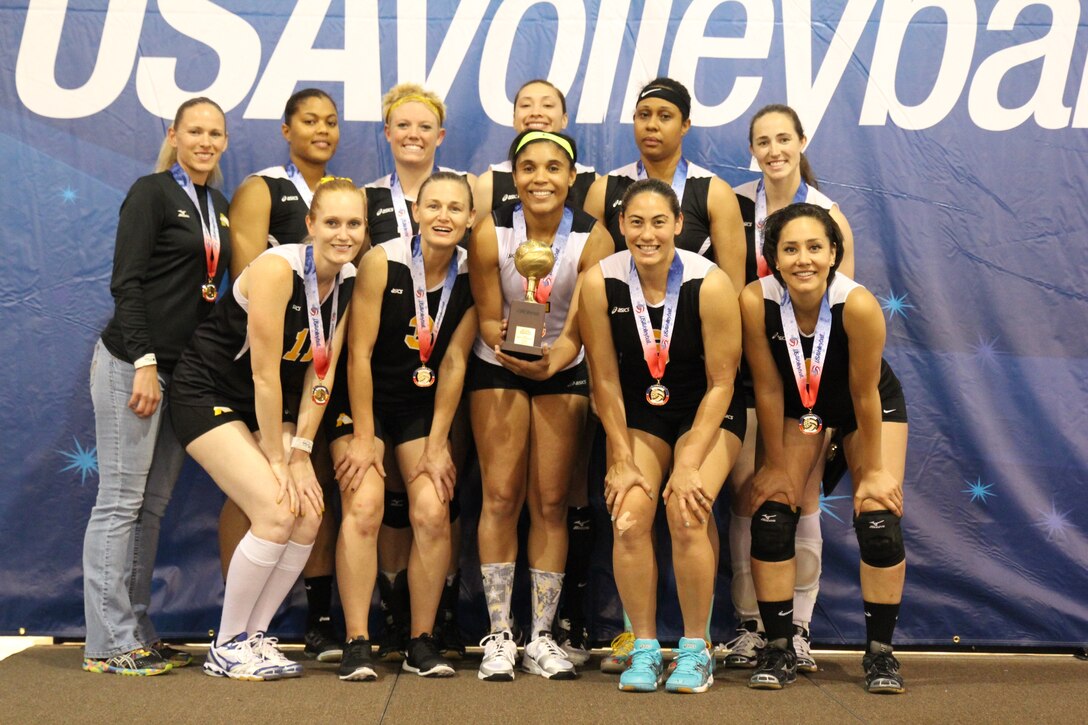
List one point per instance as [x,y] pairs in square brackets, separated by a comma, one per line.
[834,403]
[287,218]
[216,368]
[381,214]
[159,266]
[746,198]
[695,236]
[396,348]
[503,190]
[685,374]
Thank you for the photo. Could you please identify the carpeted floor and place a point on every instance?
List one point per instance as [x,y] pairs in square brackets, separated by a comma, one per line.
[46,685]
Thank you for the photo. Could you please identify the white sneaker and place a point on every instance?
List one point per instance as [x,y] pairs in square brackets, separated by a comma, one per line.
[500,654]
[237,660]
[546,658]
[265,647]
[803,648]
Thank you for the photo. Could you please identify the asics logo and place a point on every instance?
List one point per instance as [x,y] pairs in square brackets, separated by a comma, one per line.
[616,310]
[288,198]
[508,197]
[778,336]
[296,308]
[617,202]
[396,291]
[383,211]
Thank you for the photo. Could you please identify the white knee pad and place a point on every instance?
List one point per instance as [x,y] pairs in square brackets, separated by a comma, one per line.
[809,547]
[740,553]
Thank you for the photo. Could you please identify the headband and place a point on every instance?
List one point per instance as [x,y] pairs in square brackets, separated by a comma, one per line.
[667,94]
[417,98]
[545,136]
[327,179]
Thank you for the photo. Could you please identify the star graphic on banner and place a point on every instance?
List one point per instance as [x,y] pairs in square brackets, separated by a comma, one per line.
[80,459]
[986,351]
[69,195]
[979,491]
[1054,523]
[826,506]
[895,304]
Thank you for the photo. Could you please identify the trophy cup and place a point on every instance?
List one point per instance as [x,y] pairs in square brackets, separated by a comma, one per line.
[525,323]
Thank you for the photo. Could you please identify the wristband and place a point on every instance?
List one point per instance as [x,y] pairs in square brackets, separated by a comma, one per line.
[303,444]
[143,362]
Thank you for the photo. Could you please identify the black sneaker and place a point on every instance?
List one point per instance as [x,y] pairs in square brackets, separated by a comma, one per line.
[573,639]
[777,666]
[393,642]
[322,643]
[423,658]
[356,665]
[176,657]
[882,670]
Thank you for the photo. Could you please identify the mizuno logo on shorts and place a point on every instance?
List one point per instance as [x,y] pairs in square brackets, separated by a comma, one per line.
[182,214]
[879,524]
[769,518]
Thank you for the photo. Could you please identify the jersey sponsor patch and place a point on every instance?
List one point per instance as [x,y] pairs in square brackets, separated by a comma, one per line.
[508,197]
[285,198]
[182,214]
[386,210]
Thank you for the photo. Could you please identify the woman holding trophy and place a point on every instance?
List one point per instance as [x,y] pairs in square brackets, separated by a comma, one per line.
[528,405]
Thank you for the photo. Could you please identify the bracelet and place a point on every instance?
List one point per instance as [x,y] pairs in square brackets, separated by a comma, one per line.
[303,444]
[146,360]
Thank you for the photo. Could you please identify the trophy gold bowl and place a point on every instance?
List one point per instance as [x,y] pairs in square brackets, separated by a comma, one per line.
[525,322]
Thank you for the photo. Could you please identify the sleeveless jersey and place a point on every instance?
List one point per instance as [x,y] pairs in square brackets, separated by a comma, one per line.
[695,237]
[513,284]
[685,374]
[287,218]
[503,190]
[217,366]
[396,348]
[746,197]
[833,402]
[381,215]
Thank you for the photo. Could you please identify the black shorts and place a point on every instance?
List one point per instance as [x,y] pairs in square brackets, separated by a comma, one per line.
[394,425]
[485,376]
[192,421]
[669,422]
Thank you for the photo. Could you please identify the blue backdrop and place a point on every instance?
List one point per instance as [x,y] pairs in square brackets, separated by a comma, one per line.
[950,132]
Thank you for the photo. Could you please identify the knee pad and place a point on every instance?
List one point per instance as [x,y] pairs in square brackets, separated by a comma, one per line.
[774,528]
[396,510]
[809,548]
[880,538]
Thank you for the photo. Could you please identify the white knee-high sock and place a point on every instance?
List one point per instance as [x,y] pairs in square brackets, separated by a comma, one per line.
[278,586]
[253,562]
[740,557]
[809,545]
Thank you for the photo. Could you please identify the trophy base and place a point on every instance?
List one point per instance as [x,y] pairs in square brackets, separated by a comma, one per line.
[524,330]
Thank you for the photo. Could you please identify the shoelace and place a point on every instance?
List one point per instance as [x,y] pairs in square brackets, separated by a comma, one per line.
[552,649]
[643,659]
[801,646]
[745,641]
[689,661]
[622,644]
[884,663]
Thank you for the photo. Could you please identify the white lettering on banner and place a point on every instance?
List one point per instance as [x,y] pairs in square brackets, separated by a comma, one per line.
[690,44]
[604,59]
[566,55]
[233,40]
[412,43]
[1056,50]
[881,100]
[649,46]
[295,59]
[35,68]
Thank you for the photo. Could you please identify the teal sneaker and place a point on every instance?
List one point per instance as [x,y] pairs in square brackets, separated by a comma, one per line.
[645,670]
[694,670]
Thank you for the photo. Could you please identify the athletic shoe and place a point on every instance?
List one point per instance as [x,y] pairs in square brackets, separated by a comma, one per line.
[743,650]
[176,657]
[802,647]
[694,671]
[500,654]
[266,648]
[645,670]
[423,658]
[448,635]
[393,643]
[882,670]
[237,660]
[620,656]
[573,638]
[322,643]
[546,658]
[777,666]
[139,662]
[356,665]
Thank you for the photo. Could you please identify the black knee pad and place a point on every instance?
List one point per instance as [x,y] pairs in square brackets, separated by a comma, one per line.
[396,510]
[880,538]
[774,528]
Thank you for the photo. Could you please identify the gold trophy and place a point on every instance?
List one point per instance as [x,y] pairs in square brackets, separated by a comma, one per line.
[525,323]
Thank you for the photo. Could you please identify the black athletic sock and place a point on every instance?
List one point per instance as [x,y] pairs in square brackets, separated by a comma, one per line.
[451,594]
[318,598]
[880,622]
[579,550]
[400,602]
[778,620]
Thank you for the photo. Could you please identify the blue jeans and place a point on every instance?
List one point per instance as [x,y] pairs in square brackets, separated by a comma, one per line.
[139,460]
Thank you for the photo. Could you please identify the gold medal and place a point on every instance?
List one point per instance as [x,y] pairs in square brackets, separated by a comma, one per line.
[423,377]
[657,395]
[320,394]
[208,292]
[810,423]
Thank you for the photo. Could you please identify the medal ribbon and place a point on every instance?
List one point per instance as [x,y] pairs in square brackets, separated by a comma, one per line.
[211,235]
[656,354]
[425,333]
[400,205]
[296,178]
[761,220]
[544,286]
[679,177]
[319,345]
[808,381]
